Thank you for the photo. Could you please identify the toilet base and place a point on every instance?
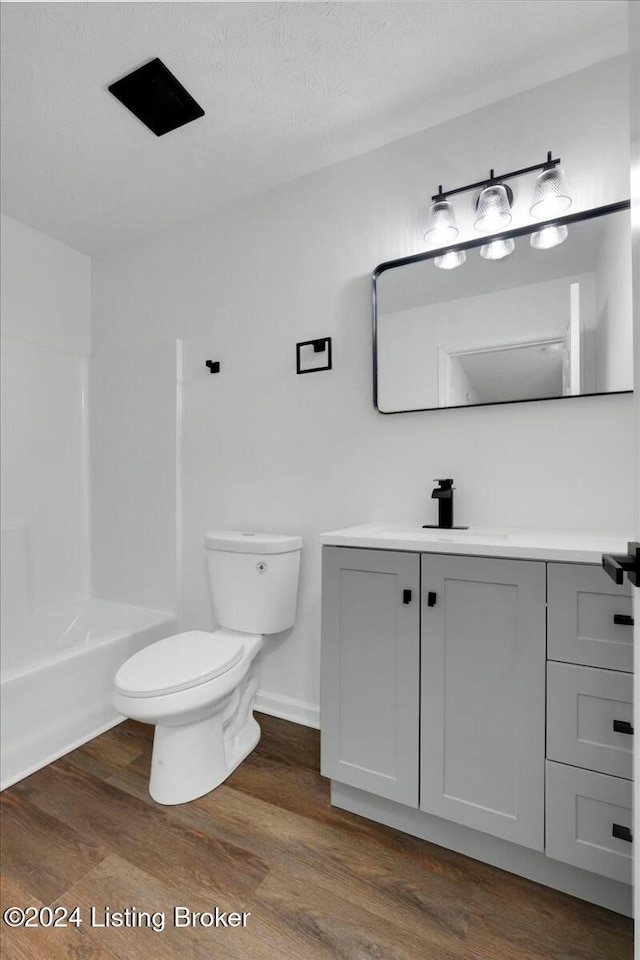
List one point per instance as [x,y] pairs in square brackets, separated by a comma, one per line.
[191,760]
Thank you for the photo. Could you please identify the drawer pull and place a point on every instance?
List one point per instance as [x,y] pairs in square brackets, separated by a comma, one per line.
[431,599]
[622,726]
[623,620]
[621,833]
[406,596]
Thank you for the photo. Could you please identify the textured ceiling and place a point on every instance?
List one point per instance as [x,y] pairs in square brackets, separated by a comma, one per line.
[287,88]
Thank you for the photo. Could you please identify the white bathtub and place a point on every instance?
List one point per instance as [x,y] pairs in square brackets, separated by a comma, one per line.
[57,678]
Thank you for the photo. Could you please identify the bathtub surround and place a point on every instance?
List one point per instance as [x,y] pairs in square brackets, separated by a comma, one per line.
[45,345]
[265,449]
[46,290]
[60,647]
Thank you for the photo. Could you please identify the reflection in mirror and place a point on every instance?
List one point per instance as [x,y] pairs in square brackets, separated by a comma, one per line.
[539,324]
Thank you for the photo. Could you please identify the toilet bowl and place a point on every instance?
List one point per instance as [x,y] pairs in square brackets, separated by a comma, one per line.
[199,688]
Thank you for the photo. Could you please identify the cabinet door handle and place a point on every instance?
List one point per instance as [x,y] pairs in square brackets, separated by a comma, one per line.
[623,619]
[622,726]
[431,598]
[617,564]
[406,596]
[621,833]
[611,565]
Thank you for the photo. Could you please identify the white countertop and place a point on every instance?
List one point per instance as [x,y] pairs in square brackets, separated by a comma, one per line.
[561,545]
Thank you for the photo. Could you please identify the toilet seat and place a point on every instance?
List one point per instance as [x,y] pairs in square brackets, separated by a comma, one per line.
[180,662]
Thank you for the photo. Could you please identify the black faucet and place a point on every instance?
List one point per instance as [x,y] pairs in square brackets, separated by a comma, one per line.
[444,495]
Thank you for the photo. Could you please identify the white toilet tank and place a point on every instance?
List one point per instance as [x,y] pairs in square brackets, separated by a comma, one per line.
[254,579]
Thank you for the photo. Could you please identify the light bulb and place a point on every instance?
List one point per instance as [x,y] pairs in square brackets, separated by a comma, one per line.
[441,224]
[494,209]
[548,237]
[450,260]
[497,249]
[550,197]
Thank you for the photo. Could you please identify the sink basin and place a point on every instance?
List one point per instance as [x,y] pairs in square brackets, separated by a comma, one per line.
[471,534]
[430,534]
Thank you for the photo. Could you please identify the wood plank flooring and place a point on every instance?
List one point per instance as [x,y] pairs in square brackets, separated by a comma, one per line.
[319,883]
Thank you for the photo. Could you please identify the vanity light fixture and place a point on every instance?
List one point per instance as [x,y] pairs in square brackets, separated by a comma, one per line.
[493,212]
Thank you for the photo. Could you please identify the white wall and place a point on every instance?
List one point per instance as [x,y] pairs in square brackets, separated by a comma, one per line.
[46,302]
[268,450]
[133,475]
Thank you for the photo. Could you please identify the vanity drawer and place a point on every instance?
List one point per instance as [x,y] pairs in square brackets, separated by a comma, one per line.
[582,706]
[582,602]
[583,810]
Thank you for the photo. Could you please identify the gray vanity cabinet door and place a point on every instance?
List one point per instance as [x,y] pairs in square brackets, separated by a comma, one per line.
[370,670]
[483,695]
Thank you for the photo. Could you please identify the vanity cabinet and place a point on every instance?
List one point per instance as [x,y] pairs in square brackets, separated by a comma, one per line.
[484,702]
[370,671]
[483,695]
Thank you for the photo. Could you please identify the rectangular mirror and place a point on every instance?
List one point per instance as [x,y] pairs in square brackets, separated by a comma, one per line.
[539,324]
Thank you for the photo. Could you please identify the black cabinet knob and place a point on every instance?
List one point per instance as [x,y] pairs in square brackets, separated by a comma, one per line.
[431,599]
[406,596]
[623,620]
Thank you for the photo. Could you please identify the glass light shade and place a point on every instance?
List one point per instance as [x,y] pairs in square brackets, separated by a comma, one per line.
[550,197]
[441,224]
[450,260]
[494,209]
[497,249]
[548,237]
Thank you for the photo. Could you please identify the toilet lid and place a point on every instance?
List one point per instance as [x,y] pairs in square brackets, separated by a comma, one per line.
[179,662]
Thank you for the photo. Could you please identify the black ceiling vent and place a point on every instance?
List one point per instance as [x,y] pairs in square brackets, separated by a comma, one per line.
[154,96]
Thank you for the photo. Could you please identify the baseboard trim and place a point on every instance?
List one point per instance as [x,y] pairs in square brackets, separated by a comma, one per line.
[286,708]
[480,846]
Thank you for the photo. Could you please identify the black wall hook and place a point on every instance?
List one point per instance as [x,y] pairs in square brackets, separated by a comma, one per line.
[213,365]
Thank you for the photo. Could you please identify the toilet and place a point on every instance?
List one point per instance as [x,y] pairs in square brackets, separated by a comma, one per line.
[199,688]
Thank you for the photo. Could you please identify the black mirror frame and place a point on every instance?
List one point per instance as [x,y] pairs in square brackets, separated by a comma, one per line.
[471,245]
